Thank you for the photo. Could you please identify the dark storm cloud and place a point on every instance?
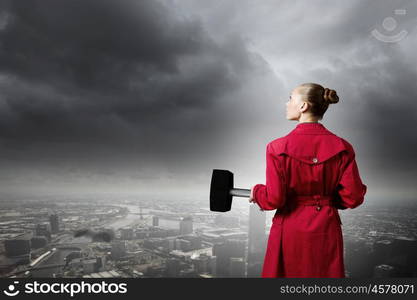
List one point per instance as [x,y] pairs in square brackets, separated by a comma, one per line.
[391,115]
[94,43]
[112,84]
[97,58]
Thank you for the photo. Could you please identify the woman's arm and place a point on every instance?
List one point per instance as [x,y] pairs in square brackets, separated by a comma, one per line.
[271,195]
[350,191]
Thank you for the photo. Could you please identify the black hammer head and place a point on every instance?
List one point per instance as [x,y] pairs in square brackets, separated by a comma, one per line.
[221,184]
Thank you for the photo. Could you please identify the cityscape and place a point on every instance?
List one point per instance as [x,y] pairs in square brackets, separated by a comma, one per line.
[142,237]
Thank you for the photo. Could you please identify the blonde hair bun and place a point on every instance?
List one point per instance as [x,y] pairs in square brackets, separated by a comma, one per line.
[330,96]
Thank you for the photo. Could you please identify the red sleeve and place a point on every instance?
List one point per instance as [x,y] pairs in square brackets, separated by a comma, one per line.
[350,190]
[271,195]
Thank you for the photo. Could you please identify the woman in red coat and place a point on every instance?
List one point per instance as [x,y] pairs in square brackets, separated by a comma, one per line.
[310,174]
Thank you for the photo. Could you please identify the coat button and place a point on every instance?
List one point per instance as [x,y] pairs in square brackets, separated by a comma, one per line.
[315,160]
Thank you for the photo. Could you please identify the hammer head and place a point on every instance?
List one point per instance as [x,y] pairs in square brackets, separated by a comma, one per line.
[221,184]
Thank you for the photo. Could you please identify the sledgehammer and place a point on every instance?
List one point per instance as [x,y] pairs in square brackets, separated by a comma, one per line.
[222,191]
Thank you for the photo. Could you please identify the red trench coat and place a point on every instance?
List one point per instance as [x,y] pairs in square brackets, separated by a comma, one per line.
[304,169]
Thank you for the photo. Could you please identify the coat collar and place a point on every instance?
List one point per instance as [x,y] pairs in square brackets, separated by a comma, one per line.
[309,124]
[309,142]
[310,128]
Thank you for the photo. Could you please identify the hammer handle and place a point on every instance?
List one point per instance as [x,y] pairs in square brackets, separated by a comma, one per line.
[240,192]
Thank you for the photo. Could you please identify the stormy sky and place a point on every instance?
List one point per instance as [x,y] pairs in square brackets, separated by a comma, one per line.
[149,96]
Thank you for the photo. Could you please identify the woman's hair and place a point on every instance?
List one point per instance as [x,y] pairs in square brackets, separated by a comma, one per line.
[318,96]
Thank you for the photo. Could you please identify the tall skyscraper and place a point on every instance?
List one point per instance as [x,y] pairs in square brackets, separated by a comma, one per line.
[126,233]
[237,267]
[38,242]
[43,229]
[186,225]
[173,267]
[256,241]
[201,263]
[54,222]
[18,246]
[118,249]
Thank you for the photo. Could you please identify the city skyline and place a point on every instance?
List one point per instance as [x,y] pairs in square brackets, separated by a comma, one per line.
[162,239]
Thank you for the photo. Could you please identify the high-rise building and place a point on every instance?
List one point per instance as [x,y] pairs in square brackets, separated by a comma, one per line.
[155,221]
[54,223]
[201,263]
[195,241]
[257,240]
[38,242]
[183,245]
[18,246]
[90,265]
[118,249]
[186,225]
[173,267]
[224,251]
[126,233]
[237,267]
[141,233]
[101,263]
[43,229]
[213,266]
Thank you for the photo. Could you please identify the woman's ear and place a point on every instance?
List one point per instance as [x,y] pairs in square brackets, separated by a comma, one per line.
[303,106]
